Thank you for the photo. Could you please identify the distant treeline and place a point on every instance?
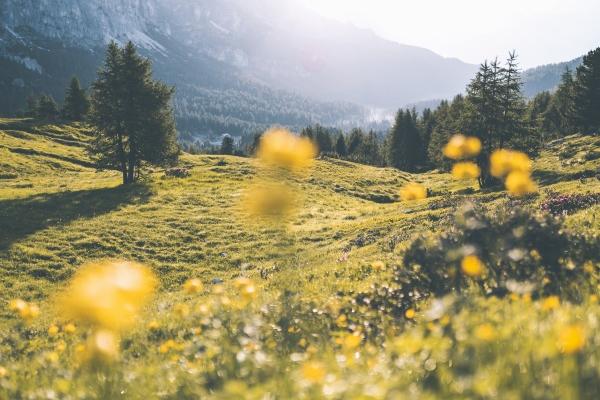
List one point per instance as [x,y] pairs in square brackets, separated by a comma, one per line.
[494,109]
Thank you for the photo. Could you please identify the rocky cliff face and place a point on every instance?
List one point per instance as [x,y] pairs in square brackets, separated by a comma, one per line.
[80,22]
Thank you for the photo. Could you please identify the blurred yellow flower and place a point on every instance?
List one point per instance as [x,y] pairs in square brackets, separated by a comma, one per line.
[410,313]
[108,294]
[485,332]
[351,341]
[193,286]
[182,310]
[378,266]
[504,162]
[519,184]
[3,372]
[465,170]
[27,311]
[413,191]
[271,200]
[280,147]
[168,346]
[53,330]
[313,372]
[70,328]
[472,266]
[102,347]
[550,303]
[153,325]
[571,339]
[460,147]
[245,288]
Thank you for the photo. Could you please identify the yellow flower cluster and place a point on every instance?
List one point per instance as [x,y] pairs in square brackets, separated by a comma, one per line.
[516,168]
[461,147]
[413,191]
[27,311]
[192,286]
[108,294]
[279,147]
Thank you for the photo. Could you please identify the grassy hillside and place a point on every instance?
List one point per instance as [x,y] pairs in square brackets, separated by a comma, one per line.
[58,213]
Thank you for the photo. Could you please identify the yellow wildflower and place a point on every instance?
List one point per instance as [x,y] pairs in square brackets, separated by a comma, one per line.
[245,288]
[153,325]
[351,341]
[413,191]
[472,266]
[102,346]
[25,310]
[3,372]
[378,266]
[410,313]
[465,170]
[571,339]
[485,332]
[280,147]
[460,147]
[314,372]
[108,294]
[550,303]
[272,200]
[53,330]
[182,310]
[519,184]
[504,162]
[52,357]
[70,328]
[193,286]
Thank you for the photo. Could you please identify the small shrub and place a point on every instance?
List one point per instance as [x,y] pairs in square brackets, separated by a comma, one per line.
[177,173]
[563,204]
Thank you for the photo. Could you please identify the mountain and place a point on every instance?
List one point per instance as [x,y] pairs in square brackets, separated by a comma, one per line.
[546,77]
[238,65]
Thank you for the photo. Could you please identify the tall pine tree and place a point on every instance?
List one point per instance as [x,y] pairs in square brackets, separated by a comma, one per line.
[404,142]
[77,104]
[587,93]
[132,114]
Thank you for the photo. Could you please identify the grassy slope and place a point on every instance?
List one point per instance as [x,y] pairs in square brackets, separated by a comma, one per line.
[57,213]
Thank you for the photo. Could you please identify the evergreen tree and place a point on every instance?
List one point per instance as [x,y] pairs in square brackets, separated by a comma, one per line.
[32,106]
[132,114]
[227,145]
[77,104]
[404,143]
[587,93]
[340,146]
[47,108]
[563,104]
[355,140]
[426,126]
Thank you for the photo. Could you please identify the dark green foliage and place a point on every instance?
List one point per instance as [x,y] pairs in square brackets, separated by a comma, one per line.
[522,252]
[227,145]
[448,121]
[587,92]
[47,108]
[77,104]
[404,147]
[340,146]
[131,113]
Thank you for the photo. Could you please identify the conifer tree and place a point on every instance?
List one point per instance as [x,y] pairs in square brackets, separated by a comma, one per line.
[227,145]
[77,104]
[355,140]
[563,104]
[47,108]
[587,93]
[404,143]
[340,146]
[132,114]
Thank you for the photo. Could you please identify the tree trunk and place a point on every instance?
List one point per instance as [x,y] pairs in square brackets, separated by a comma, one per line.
[122,158]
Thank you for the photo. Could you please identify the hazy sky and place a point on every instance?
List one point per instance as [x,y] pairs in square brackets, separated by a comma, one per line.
[542,31]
